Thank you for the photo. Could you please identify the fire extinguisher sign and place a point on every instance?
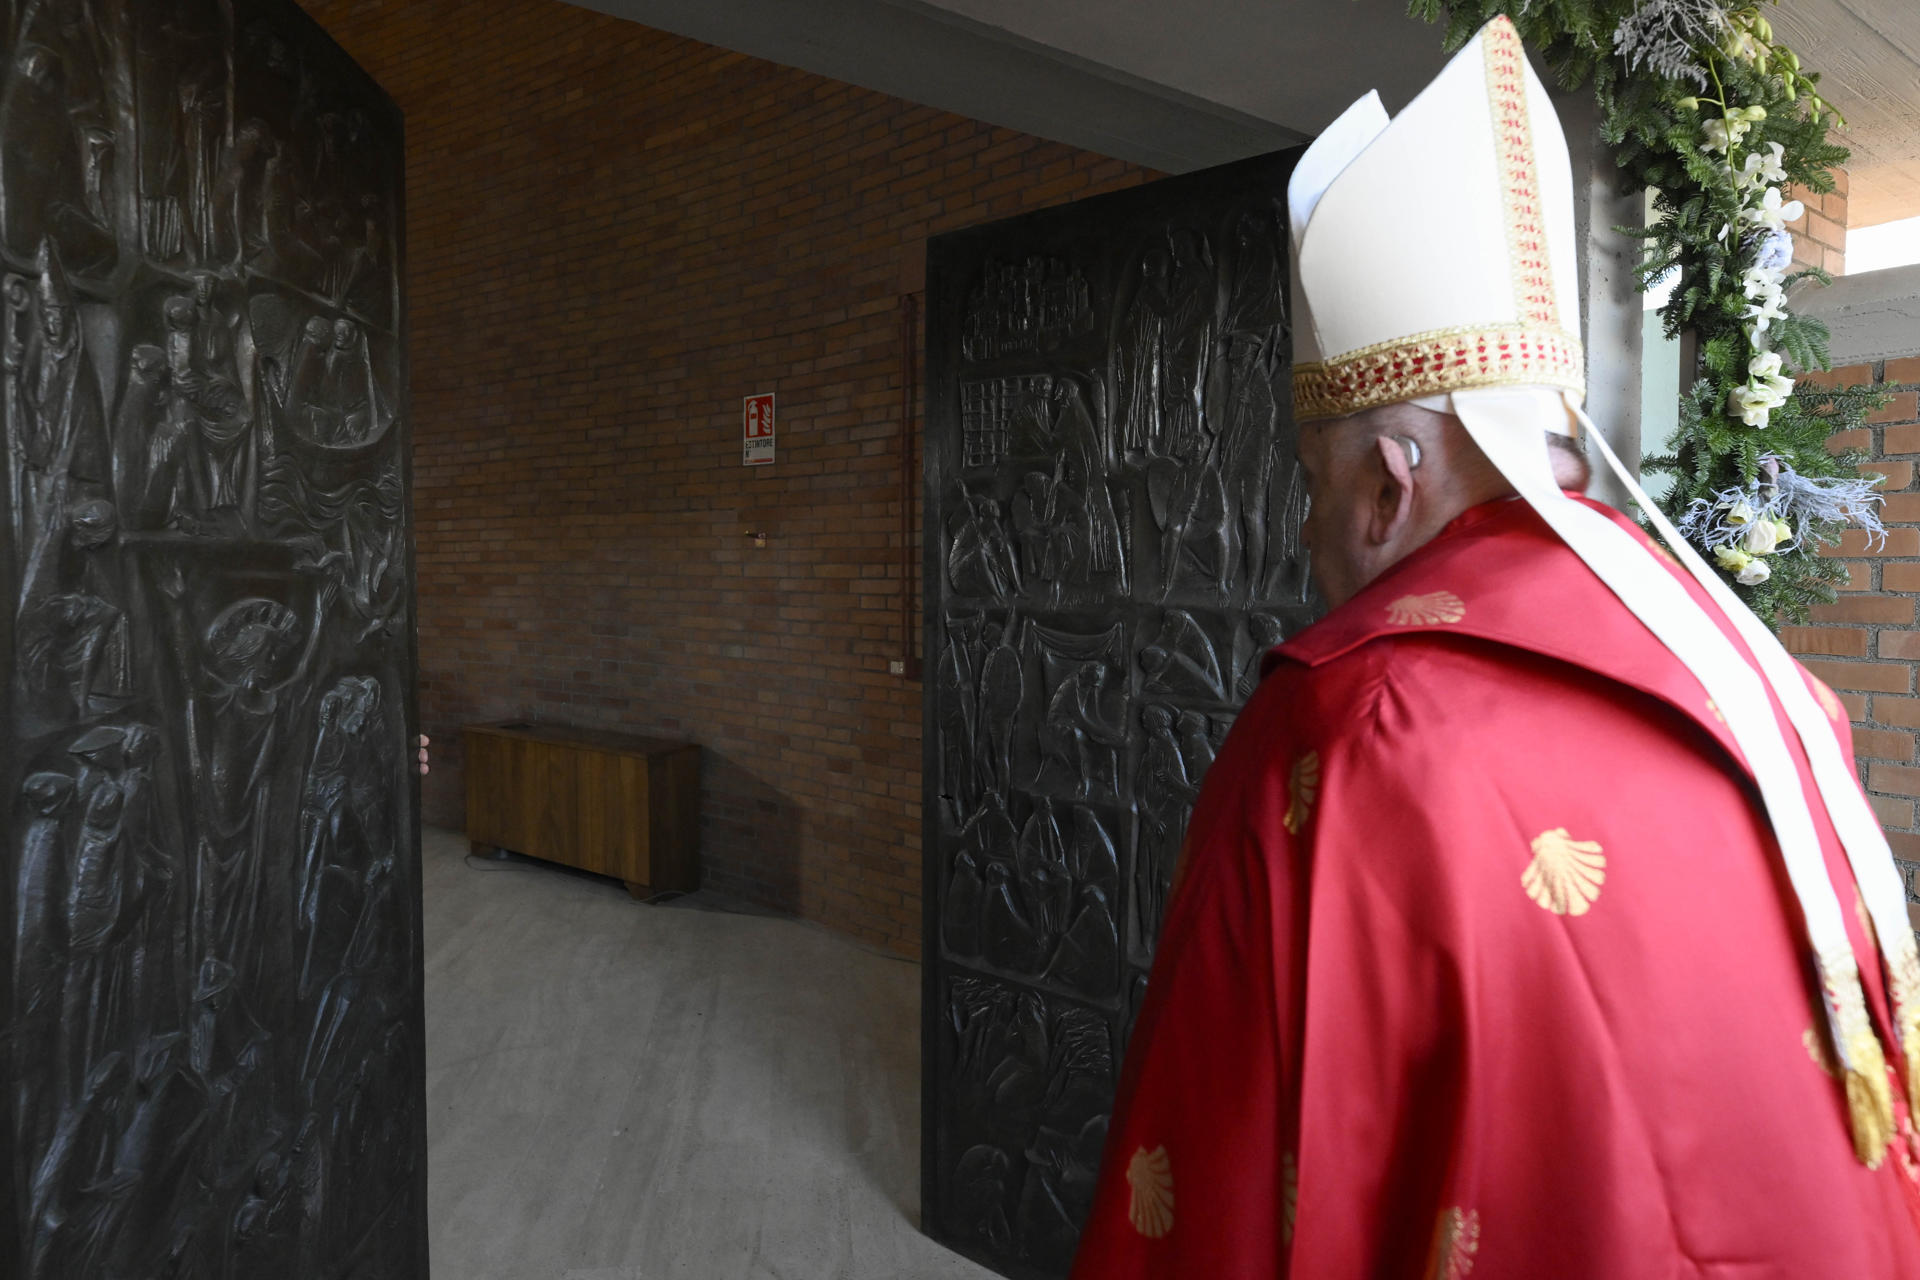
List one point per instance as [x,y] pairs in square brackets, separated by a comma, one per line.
[757,430]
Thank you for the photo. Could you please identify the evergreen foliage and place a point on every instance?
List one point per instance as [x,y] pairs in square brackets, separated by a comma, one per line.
[1694,120]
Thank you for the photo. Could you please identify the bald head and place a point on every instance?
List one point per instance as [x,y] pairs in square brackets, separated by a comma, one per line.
[1383,482]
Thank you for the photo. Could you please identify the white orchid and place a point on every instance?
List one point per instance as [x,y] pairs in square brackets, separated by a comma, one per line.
[1772,213]
[1758,282]
[1718,135]
[1742,46]
[1771,305]
[1725,133]
[1761,168]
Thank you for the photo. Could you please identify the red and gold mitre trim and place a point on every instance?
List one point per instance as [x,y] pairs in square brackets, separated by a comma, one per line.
[1533,292]
[1435,363]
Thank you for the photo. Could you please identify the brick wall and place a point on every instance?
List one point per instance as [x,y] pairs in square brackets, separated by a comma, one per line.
[615,234]
[1865,644]
[1820,236]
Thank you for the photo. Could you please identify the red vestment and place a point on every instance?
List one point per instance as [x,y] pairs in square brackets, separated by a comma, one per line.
[1483,961]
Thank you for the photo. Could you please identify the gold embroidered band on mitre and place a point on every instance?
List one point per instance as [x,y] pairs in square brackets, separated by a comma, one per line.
[1435,363]
[1869,1096]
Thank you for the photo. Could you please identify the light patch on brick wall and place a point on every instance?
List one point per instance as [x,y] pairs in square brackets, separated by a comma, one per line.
[615,234]
[1865,644]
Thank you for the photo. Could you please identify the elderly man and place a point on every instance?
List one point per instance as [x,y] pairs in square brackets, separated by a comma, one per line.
[1531,922]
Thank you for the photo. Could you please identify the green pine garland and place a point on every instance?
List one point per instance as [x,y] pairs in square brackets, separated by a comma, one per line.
[1694,96]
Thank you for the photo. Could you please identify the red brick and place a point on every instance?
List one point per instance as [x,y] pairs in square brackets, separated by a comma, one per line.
[1893,779]
[1882,744]
[1891,812]
[1848,375]
[1856,705]
[1842,441]
[1905,844]
[1839,642]
[1901,508]
[1904,712]
[1899,644]
[1885,609]
[1894,475]
[1868,677]
[1900,577]
[1903,407]
[1855,542]
[1904,370]
[1824,229]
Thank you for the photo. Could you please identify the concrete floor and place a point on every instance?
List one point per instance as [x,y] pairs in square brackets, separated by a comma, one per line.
[624,1092]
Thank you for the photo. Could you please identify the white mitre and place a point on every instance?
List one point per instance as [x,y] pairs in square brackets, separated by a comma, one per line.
[1434,263]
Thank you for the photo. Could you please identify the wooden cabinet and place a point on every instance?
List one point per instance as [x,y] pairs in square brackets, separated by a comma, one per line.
[612,803]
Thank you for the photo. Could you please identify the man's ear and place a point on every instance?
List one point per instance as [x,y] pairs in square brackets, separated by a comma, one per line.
[1393,492]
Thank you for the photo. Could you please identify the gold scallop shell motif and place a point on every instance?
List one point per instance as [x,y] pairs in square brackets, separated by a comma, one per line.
[1303,785]
[1456,1241]
[1566,874]
[1424,611]
[1150,1208]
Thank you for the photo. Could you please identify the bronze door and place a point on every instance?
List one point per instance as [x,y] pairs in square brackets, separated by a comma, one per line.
[212,984]
[1112,540]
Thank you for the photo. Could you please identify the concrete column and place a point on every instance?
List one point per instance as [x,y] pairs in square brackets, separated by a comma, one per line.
[1610,308]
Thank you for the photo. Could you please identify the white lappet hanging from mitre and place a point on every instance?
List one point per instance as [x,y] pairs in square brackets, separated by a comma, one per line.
[1434,263]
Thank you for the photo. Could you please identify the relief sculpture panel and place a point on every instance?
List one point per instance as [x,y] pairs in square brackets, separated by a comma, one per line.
[1113,542]
[212,1024]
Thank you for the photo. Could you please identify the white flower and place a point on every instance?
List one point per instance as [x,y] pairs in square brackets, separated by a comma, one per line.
[1770,304]
[1718,135]
[1761,537]
[1757,282]
[1764,370]
[1743,47]
[1754,574]
[1739,513]
[1732,559]
[1764,391]
[1761,168]
[1771,213]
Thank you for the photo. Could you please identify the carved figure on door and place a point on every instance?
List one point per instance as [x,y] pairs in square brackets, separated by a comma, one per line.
[1182,660]
[979,557]
[1167,794]
[1077,733]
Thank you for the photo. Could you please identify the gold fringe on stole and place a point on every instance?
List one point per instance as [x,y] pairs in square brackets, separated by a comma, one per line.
[1869,1097]
[1870,1110]
[1905,984]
